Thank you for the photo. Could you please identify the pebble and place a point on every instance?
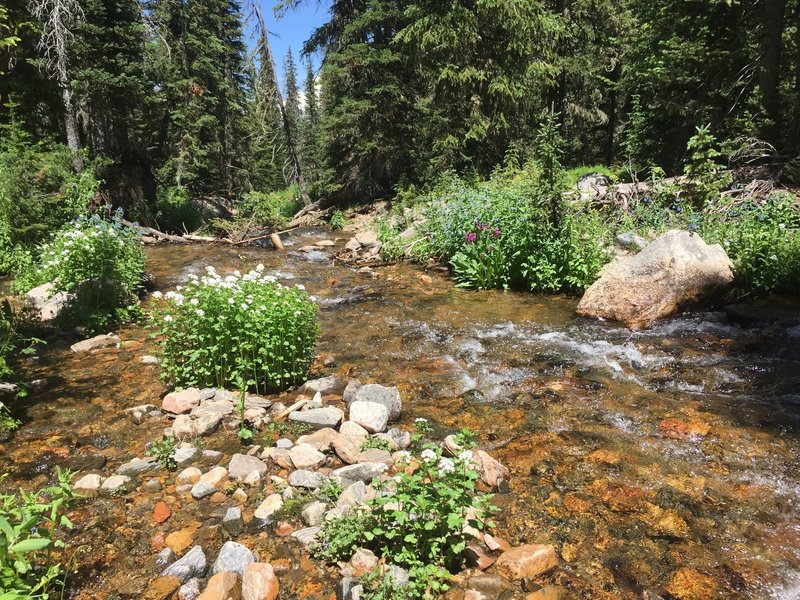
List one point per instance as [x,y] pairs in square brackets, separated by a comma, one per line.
[192,564]
[202,489]
[96,343]
[313,513]
[242,465]
[232,522]
[306,536]
[264,514]
[165,558]
[207,424]
[259,582]
[284,443]
[526,562]
[222,586]
[387,396]
[137,466]
[350,474]
[307,479]
[181,402]
[305,456]
[372,416]
[115,484]
[190,590]
[151,486]
[190,475]
[233,557]
[161,512]
[183,427]
[88,485]
[328,416]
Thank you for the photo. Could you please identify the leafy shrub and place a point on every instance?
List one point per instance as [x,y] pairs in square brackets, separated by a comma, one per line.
[337,220]
[391,244]
[98,260]
[163,451]
[272,209]
[11,339]
[416,521]
[499,234]
[240,330]
[28,524]
[175,212]
[706,176]
[762,240]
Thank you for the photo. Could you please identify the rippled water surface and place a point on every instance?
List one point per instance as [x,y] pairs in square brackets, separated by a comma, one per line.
[635,454]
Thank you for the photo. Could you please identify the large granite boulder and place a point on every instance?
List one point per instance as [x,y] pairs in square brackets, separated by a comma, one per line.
[676,270]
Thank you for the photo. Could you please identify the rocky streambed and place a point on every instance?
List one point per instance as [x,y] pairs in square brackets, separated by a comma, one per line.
[660,463]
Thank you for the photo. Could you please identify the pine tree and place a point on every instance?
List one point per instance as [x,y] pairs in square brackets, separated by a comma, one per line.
[310,138]
[292,94]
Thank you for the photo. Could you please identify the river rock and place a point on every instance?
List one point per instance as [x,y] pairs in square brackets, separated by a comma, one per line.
[259,582]
[323,386]
[202,489]
[328,416]
[215,476]
[279,456]
[190,590]
[677,269]
[346,450]
[233,557]
[492,471]
[222,586]
[306,536]
[161,588]
[362,562]
[190,475]
[88,485]
[207,424]
[305,456]
[355,494]
[307,479]
[265,513]
[183,427]
[372,416]
[630,241]
[192,564]
[98,342]
[321,440]
[137,466]
[388,396]
[165,558]
[376,455]
[366,472]
[349,589]
[367,238]
[313,513]
[181,402]
[184,456]
[242,465]
[526,562]
[232,521]
[115,484]
[397,437]
[688,584]
[355,433]
[47,304]
[350,391]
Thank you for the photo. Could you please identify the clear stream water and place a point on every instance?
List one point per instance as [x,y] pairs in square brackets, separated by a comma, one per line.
[572,406]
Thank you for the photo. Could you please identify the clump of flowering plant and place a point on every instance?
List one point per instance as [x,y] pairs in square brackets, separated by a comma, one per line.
[419,519]
[99,260]
[243,331]
[481,262]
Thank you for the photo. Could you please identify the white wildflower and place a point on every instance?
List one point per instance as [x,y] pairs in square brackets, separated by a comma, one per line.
[428,455]
[168,318]
[446,466]
[300,287]
[259,267]
[157,294]
[402,456]
[244,305]
[231,301]
[194,301]
[420,420]
[200,312]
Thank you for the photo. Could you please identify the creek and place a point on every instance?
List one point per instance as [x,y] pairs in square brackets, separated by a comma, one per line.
[635,454]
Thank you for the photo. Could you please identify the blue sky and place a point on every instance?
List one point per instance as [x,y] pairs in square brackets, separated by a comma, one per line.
[293,29]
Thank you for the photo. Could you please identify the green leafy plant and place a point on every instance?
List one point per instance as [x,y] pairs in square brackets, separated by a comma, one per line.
[245,433]
[330,491]
[706,176]
[272,209]
[376,443]
[417,519]
[240,330]
[337,220]
[164,451]
[283,428]
[481,263]
[391,245]
[11,340]
[99,261]
[29,523]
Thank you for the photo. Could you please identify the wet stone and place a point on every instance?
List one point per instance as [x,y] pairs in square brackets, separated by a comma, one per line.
[259,582]
[387,396]
[190,590]
[366,472]
[137,466]
[305,456]
[151,486]
[372,416]
[526,562]
[307,479]
[192,564]
[96,343]
[242,465]
[232,521]
[329,416]
[233,557]
[161,588]
[115,484]
[265,513]
[313,513]
[306,536]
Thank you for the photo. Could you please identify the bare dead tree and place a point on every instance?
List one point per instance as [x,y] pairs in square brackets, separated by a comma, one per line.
[265,54]
[57,17]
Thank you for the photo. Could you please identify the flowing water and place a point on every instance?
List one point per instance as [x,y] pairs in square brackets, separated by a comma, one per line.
[638,455]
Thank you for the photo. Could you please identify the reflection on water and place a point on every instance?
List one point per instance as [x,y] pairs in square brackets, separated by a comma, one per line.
[577,410]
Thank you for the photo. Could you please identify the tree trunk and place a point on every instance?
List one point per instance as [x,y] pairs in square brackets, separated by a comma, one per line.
[611,126]
[291,143]
[71,127]
[770,68]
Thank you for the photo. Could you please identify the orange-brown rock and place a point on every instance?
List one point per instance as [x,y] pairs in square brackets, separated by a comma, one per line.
[688,584]
[161,512]
[181,540]
[162,588]
[222,586]
[259,582]
[526,562]
[678,430]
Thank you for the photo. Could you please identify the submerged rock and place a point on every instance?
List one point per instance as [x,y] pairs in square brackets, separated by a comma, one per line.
[387,396]
[677,269]
[192,564]
[526,562]
[96,343]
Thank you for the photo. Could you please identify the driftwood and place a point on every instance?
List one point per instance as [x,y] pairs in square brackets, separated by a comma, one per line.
[303,401]
[207,239]
[178,239]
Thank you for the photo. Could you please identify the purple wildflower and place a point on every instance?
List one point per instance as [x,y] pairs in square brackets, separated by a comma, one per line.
[471,237]
[496,232]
